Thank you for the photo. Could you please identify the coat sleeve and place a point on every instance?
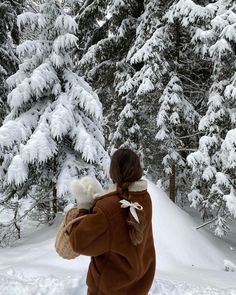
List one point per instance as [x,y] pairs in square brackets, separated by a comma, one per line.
[91,235]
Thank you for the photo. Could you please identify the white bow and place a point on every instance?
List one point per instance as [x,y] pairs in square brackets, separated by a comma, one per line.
[132,208]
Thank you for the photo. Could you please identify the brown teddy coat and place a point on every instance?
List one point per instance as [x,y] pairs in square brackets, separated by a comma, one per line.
[117,267]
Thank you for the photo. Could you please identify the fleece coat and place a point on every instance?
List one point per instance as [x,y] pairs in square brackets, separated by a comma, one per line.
[117,267]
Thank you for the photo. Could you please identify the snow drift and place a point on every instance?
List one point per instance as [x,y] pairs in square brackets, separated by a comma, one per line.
[189,261]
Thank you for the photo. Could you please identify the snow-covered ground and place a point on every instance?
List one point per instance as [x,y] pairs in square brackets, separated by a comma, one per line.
[189,261]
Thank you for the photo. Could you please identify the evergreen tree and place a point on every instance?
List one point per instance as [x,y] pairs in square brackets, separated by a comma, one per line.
[176,118]
[139,87]
[189,75]
[132,50]
[53,131]
[9,38]
[122,65]
[129,61]
[213,189]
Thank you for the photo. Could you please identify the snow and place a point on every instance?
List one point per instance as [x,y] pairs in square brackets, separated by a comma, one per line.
[67,23]
[209,173]
[84,143]
[17,171]
[220,49]
[61,119]
[43,77]
[229,33]
[231,202]
[127,112]
[146,51]
[229,266]
[40,146]
[50,105]
[66,41]
[145,87]
[189,261]
[228,149]
[31,18]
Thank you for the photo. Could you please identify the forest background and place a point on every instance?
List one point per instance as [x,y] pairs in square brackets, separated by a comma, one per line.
[81,78]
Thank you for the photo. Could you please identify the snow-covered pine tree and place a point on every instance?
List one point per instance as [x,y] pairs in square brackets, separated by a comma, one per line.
[193,75]
[3,93]
[104,58]
[93,22]
[138,85]
[176,119]
[95,40]
[130,76]
[9,38]
[125,65]
[213,164]
[53,131]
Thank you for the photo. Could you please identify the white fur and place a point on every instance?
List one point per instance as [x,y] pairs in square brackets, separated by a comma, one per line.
[86,189]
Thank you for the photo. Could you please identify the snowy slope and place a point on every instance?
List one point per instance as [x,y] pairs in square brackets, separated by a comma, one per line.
[189,261]
[184,252]
[179,241]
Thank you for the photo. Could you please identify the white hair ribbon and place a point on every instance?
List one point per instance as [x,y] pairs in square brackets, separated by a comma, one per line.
[132,208]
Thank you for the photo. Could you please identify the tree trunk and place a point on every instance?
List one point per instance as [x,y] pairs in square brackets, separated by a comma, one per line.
[15,222]
[54,190]
[53,194]
[54,200]
[172,184]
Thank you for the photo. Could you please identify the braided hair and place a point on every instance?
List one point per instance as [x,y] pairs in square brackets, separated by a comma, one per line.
[126,168]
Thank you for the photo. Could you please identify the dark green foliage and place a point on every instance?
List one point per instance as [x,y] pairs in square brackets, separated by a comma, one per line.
[9,38]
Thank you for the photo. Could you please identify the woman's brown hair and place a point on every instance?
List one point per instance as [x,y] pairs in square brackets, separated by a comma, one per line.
[126,168]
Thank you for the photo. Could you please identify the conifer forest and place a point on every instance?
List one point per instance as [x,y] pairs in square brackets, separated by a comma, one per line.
[81,78]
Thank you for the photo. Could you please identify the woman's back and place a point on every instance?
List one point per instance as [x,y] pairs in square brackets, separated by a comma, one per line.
[117,234]
[121,268]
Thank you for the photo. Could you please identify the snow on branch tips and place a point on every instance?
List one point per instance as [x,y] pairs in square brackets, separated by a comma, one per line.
[229,33]
[231,202]
[195,159]
[40,147]
[219,23]
[17,171]
[127,112]
[34,20]
[220,49]
[209,173]
[145,87]
[67,23]
[81,92]
[154,44]
[189,12]
[30,48]
[61,119]
[85,144]
[228,150]
[43,77]
[66,41]
[195,197]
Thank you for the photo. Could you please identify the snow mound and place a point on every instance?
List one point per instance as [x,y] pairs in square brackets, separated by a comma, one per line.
[178,242]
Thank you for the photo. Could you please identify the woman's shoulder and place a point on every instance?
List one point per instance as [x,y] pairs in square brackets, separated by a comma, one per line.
[110,196]
[107,203]
[111,191]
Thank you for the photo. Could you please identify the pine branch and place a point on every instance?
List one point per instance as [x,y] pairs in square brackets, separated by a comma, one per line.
[189,149]
[25,214]
[210,221]
[190,135]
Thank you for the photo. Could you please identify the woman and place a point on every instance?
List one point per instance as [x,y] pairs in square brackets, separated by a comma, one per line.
[117,232]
